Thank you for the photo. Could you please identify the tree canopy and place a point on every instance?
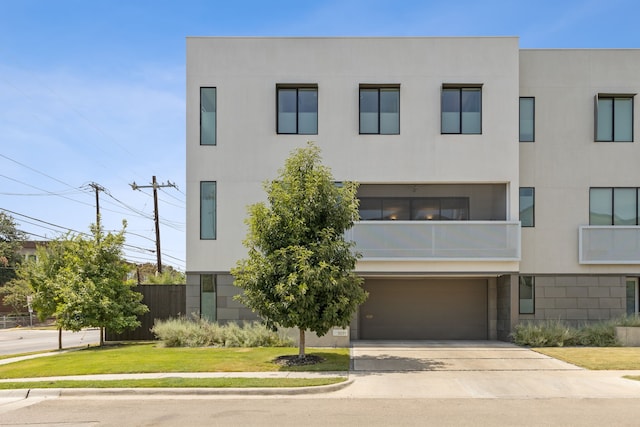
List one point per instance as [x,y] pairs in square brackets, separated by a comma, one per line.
[81,282]
[299,270]
[10,243]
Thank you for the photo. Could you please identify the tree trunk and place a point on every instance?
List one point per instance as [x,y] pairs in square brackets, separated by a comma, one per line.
[301,354]
[101,336]
[59,338]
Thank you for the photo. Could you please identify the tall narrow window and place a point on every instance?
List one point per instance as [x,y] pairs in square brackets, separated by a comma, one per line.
[527,206]
[461,110]
[600,206]
[207,210]
[379,110]
[207,116]
[527,119]
[632,296]
[297,110]
[527,294]
[208,291]
[614,118]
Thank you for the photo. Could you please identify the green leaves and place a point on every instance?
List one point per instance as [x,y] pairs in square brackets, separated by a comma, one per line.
[299,267]
[81,282]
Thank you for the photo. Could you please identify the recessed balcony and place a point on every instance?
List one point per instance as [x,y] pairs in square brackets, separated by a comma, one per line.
[437,240]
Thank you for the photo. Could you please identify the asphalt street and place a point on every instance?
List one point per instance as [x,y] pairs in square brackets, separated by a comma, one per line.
[26,340]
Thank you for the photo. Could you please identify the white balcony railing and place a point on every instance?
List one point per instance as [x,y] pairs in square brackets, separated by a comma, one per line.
[609,244]
[437,240]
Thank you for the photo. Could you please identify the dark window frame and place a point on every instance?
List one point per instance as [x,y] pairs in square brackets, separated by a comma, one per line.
[297,87]
[533,294]
[377,87]
[460,88]
[380,200]
[215,107]
[215,210]
[533,119]
[533,213]
[613,203]
[613,97]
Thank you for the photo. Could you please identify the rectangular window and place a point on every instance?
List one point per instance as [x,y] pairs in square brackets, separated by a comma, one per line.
[614,206]
[632,296]
[527,206]
[527,119]
[614,118]
[207,116]
[527,294]
[461,110]
[414,208]
[207,210]
[297,110]
[208,292]
[379,110]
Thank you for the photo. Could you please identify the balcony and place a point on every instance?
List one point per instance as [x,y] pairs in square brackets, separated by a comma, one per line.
[437,240]
[607,244]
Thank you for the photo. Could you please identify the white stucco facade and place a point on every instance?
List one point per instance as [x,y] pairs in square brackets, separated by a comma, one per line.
[419,164]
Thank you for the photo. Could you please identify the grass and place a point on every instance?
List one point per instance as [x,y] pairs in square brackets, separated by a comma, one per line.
[152,357]
[597,358]
[176,382]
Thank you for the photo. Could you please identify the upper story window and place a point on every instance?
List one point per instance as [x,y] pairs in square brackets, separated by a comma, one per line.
[527,119]
[527,205]
[207,116]
[207,210]
[614,118]
[613,206]
[461,109]
[380,109]
[414,208]
[297,109]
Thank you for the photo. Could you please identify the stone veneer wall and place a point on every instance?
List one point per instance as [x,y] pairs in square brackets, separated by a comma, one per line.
[228,308]
[578,299]
[504,307]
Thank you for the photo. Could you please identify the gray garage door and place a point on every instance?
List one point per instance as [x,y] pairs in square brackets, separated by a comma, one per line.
[424,309]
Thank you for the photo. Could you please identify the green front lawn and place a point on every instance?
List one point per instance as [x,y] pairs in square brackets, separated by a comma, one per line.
[152,357]
[597,358]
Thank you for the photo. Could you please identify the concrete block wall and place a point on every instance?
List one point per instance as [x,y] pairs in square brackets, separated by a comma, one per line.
[503,289]
[578,299]
[230,310]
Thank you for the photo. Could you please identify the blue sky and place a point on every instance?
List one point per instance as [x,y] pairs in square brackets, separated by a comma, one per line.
[93,91]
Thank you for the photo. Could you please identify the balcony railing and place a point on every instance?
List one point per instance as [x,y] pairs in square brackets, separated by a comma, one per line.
[437,240]
[608,244]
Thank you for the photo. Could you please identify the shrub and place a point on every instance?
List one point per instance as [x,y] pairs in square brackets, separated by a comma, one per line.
[555,333]
[183,332]
[550,333]
[632,320]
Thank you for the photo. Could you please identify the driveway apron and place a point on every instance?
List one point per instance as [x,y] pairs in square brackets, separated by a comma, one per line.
[401,356]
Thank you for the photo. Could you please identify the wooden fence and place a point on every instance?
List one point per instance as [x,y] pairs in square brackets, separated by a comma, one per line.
[164,301]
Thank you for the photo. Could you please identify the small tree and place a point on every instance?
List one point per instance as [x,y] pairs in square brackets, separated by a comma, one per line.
[81,282]
[299,270]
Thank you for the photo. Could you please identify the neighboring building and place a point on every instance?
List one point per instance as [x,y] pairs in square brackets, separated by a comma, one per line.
[497,185]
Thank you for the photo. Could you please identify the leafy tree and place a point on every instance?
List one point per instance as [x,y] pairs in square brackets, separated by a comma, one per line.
[81,282]
[10,243]
[147,274]
[299,270]
[15,294]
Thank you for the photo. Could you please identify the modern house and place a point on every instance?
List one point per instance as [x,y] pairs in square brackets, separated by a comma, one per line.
[497,185]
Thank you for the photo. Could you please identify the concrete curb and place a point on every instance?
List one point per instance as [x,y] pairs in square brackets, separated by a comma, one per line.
[258,391]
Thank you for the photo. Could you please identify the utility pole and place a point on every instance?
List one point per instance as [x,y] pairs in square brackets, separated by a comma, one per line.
[97,188]
[155,186]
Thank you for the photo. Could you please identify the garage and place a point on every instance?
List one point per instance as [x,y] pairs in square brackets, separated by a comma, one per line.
[424,309]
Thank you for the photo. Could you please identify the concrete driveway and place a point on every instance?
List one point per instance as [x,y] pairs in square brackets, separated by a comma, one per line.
[403,356]
[474,369]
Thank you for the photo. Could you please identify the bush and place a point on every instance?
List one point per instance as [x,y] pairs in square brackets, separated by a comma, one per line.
[550,333]
[182,332]
[555,333]
[633,320]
